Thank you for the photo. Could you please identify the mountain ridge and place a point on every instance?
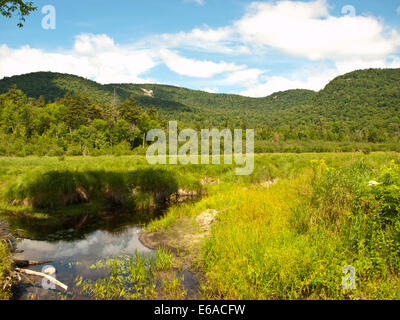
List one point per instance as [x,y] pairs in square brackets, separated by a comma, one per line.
[16,79]
[362,98]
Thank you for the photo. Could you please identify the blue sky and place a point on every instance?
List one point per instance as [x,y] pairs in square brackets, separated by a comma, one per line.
[233,46]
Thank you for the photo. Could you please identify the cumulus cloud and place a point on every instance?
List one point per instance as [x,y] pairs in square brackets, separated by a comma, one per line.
[297,28]
[195,68]
[271,84]
[220,40]
[300,29]
[244,78]
[93,56]
[306,29]
[259,83]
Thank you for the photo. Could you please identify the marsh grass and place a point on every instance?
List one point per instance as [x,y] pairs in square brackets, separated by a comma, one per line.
[5,270]
[134,278]
[292,240]
[44,189]
[288,241]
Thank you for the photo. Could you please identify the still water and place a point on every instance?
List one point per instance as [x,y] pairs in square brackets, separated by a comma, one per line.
[73,258]
[72,246]
[75,244]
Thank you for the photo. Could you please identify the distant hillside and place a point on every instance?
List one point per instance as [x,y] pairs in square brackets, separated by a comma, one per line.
[172,102]
[366,98]
[55,85]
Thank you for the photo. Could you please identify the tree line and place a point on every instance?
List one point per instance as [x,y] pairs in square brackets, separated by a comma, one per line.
[73,124]
[78,124]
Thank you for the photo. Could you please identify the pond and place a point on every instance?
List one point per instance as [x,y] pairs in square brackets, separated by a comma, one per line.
[73,250]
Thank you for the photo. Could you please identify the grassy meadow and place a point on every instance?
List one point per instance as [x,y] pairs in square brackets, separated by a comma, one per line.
[284,232]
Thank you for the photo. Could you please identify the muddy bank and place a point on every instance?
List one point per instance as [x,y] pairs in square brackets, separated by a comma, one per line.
[184,239]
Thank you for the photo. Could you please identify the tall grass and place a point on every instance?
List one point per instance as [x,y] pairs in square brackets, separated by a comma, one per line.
[293,240]
[134,278]
[289,241]
[5,269]
[42,188]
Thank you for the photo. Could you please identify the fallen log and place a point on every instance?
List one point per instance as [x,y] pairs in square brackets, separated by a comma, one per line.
[43,275]
[27,263]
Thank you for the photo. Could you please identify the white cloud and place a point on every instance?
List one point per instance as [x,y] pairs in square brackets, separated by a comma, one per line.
[258,83]
[306,29]
[206,39]
[272,84]
[294,28]
[297,28]
[93,56]
[195,68]
[245,78]
[313,78]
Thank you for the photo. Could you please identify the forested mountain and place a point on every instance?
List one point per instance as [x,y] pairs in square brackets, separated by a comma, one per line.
[362,98]
[360,107]
[173,103]
[358,99]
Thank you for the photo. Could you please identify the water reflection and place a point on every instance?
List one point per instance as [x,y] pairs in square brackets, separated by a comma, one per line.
[95,246]
[74,244]
[74,258]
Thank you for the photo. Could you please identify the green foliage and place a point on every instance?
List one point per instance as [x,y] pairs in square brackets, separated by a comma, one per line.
[22,8]
[73,125]
[134,278]
[5,269]
[292,240]
[284,240]
[47,189]
[382,197]
[355,112]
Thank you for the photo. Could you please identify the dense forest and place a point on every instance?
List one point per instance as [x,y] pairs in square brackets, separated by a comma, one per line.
[73,124]
[48,113]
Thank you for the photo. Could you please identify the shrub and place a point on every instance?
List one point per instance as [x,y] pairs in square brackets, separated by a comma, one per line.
[384,197]
[123,148]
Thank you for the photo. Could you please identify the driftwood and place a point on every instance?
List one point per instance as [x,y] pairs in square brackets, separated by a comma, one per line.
[40,274]
[27,263]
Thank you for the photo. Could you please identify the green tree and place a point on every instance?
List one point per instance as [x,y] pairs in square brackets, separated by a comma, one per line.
[14,111]
[79,110]
[130,111]
[22,8]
